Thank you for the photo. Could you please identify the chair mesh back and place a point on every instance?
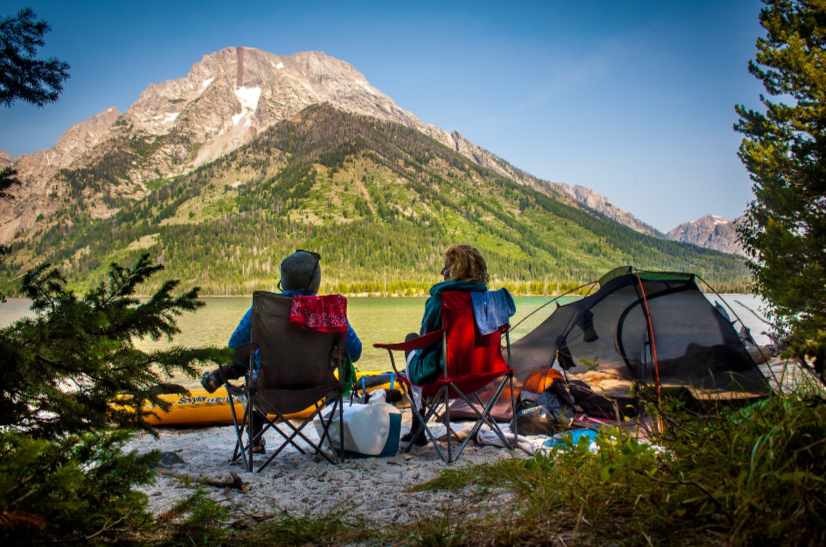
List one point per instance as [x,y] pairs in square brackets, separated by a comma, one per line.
[292,358]
[468,352]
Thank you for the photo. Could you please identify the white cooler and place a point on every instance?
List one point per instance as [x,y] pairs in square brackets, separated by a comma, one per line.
[369,430]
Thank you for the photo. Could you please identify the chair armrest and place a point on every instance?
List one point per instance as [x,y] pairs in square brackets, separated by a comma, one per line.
[417,343]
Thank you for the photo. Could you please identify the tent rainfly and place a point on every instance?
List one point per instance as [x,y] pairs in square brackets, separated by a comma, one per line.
[642,327]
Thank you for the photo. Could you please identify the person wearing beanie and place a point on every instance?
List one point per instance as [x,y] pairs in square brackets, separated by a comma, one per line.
[300,275]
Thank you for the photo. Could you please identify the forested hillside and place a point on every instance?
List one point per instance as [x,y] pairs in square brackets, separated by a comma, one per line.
[378,200]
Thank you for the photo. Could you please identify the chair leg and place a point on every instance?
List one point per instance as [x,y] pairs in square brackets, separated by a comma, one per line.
[297,433]
[340,431]
[432,409]
[251,409]
[483,418]
[325,426]
[337,405]
[239,434]
[447,425]
[513,412]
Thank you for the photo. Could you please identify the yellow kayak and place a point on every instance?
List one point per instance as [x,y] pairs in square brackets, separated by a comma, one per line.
[200,408]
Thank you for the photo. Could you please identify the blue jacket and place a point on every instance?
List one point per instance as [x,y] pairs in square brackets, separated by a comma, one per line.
[243,334]
[425,365]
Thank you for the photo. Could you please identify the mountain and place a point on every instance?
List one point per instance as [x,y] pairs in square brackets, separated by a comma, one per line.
[605,206]
[38,173]
[378,199]
[711,232]
[224,102]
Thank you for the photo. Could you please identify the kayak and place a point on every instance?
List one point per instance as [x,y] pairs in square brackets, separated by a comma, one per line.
[201,408]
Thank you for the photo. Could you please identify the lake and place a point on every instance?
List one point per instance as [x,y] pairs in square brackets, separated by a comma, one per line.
[374,320]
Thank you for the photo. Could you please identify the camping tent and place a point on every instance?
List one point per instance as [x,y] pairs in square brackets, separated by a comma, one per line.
[644,327]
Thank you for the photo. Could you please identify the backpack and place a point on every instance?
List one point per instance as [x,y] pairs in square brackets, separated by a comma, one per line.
[542,413]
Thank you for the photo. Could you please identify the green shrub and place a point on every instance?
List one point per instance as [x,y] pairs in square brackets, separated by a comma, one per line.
[74,489]
[70,374]
[196,520]
[64,370]
[751,476]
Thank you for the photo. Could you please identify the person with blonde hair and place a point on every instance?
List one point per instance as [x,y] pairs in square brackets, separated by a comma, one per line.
[464,270]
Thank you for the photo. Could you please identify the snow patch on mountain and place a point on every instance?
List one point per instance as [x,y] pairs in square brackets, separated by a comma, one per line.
[310,89]
[248,97]
[366,87]
[205,84]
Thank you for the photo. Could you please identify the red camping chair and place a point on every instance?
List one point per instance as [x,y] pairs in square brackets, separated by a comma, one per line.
[470,362]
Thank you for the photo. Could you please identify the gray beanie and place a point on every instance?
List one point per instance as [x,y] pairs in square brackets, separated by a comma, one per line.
[296,270]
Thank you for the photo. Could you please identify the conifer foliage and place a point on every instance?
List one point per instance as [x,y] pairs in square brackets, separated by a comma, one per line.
[77,489]
[74,367]
[74,384]
[784,149]
[22,75]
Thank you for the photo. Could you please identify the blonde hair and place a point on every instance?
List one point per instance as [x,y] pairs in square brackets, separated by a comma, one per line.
[466,264]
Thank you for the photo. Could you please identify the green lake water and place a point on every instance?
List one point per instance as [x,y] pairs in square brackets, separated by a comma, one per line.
[374,320]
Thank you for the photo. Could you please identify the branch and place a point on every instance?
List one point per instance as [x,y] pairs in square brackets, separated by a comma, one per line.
[236,483]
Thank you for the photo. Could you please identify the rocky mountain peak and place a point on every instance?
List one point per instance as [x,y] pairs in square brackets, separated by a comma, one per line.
[226,100]
[710,231]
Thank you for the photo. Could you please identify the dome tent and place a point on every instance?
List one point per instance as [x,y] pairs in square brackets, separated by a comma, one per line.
[643,327]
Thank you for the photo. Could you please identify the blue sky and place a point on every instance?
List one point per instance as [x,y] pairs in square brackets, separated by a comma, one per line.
[632,99]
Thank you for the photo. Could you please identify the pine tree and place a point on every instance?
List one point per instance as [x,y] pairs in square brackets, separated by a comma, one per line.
[74,368]
[22,75]
[784,150]
[74,384]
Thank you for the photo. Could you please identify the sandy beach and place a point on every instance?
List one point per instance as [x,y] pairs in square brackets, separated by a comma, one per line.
[377,489]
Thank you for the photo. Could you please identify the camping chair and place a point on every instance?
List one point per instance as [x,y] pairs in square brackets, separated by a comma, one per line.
[296,372]
[470,362]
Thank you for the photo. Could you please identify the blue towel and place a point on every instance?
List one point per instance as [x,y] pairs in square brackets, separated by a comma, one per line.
[492,309]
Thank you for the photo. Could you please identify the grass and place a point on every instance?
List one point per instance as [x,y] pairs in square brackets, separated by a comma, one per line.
[333,528]
[716,476]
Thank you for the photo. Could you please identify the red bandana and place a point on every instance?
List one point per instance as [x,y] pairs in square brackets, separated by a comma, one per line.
[320,313]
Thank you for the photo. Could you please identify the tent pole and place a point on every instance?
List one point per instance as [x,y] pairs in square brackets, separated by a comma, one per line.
[554,299]
[653,347]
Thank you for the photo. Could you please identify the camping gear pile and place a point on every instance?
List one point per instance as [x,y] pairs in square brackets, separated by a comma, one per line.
[564,404]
